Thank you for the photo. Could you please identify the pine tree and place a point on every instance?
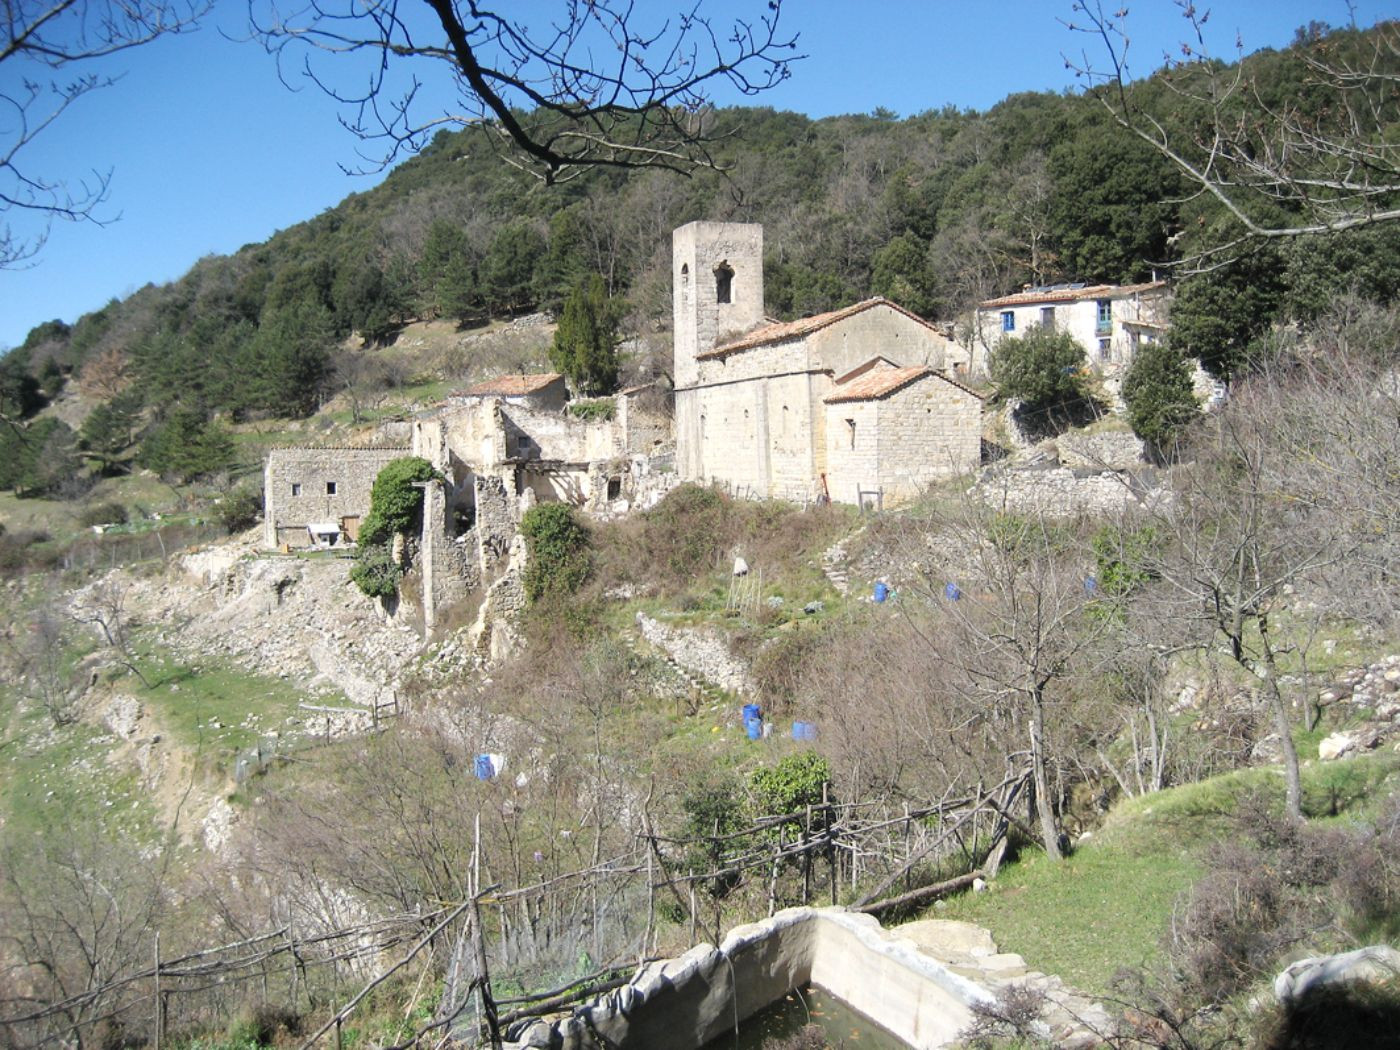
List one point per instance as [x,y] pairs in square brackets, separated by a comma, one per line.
[585,343]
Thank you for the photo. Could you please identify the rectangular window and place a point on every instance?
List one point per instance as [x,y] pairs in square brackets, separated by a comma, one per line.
[1105,317]
[1105,348]
[1008,321]
[296,488]
[330,488]
[852,424]
[1047,317]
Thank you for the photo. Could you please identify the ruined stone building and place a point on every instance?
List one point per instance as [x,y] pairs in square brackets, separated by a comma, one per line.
[860,405]
[501,446]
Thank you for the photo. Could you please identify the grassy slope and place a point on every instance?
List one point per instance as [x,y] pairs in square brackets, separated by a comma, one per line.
[1108,905]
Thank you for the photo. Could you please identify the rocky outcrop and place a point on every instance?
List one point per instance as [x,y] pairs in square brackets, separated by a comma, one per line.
[1373,965]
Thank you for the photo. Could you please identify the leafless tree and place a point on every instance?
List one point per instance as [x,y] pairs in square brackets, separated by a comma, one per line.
[1242,540]
[1012,631]
[79,914]
[599,84]
[103,607]
[37,653]
[1323,158]
[46,50]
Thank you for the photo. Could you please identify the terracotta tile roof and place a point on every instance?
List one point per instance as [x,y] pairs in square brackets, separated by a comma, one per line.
[1071,293]
[784,330]
[879,383]
[512,386]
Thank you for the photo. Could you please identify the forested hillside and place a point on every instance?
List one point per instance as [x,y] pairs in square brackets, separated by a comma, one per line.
[936,211]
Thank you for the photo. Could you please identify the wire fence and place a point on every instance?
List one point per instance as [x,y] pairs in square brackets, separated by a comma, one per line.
[493,963]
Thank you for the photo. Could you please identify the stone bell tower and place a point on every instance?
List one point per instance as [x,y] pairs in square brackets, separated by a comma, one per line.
[716,288]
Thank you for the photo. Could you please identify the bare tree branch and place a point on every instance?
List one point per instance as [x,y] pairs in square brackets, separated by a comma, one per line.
[39,42]
[1319,160]
[599,86]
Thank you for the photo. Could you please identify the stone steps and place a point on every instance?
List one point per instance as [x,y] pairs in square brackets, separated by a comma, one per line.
[701,690]
[833,562]
[1067,1019]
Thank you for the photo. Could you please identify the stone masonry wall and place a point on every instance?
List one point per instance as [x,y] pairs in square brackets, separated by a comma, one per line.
[699,319]
[702,653]
[928,431]
[885,331]
[295,483]
[495,520]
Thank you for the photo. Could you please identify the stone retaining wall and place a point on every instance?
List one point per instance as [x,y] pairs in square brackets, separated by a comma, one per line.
[700,652]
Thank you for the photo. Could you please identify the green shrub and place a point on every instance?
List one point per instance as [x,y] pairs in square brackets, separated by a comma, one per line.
[111,513]
[1158,393]
[558,545]
[395,505]
[241,508]
[602,408]
[1044,368]
[375,572]
[791,785]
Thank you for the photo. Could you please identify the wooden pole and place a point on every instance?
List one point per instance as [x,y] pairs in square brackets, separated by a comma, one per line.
[483,979]
[157,982]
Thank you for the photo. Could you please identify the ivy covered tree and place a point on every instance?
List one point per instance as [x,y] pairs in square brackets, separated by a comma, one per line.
[585,343]
[558,547]
[395,506]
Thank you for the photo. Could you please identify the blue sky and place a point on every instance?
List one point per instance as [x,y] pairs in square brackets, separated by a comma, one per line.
[210,151]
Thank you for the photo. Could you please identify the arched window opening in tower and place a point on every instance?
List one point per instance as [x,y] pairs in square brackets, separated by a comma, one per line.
[724,283]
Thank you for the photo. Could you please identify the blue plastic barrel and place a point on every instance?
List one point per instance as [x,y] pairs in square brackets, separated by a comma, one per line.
[882,591]
[952,592]
[483,767]
[804,731]
[754,728]
[753,711]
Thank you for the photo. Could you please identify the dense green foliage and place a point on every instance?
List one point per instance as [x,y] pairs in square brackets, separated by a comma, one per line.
[558,545]
[1043,368]
[187,446]
[38,459]
[395,501]
[585,343]
[1218,315]
[791,785]
[395,507]
[375,572]
[1158,393]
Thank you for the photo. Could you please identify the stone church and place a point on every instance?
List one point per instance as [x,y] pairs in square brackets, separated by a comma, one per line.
[863,405]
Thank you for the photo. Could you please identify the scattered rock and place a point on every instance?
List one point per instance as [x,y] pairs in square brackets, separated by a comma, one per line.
[123,715]
[1335,746]
[1373,965]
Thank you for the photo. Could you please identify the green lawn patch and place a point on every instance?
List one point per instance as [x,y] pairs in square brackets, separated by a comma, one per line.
[1102,908]
[1108,904]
